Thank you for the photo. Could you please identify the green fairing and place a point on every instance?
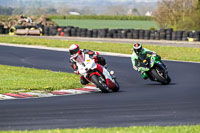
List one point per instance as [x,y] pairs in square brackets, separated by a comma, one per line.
[155,59]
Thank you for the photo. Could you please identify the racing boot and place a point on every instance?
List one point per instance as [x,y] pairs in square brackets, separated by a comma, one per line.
[83,80]
[144,76]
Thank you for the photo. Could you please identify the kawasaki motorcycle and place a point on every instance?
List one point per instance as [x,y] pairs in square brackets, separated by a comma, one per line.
[155,69]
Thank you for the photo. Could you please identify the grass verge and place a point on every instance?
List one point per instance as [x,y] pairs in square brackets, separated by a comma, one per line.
[112,24]
[138,129]
[100,17]
[15,79]
[166,52]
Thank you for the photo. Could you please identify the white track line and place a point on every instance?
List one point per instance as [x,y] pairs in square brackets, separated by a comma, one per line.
[2,97]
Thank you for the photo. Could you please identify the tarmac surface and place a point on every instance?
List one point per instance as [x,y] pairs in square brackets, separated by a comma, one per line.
[139,102]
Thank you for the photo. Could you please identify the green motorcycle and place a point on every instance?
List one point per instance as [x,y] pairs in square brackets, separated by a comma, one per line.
[153,67]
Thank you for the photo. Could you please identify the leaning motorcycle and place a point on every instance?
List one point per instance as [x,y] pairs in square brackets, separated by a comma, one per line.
[98,75]
[155,69]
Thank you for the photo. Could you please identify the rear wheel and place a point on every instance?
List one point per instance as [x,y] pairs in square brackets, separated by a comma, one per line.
[100,83]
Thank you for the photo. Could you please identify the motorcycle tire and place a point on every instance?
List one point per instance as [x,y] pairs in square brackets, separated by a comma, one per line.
[102,86]
[168,80]
[116,89]
[155,73]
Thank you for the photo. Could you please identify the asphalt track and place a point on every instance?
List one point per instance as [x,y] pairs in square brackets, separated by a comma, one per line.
[138,103]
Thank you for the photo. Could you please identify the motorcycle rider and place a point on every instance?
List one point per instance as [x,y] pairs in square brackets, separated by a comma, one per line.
[140,53]
[77,56]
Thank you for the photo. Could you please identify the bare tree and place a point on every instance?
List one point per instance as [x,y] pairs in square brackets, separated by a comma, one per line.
[192,21]
[171,12]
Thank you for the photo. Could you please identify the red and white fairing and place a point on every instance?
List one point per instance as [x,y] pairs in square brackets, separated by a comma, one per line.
[90,64]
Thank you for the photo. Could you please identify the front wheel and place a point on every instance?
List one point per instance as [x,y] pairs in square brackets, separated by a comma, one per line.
[161,76]
[116,89]
[98,81]
[168,80]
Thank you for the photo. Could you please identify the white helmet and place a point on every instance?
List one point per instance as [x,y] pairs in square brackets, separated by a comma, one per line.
[74,50]
[137,48]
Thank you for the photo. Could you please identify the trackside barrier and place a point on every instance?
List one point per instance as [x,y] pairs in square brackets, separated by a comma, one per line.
[162,34]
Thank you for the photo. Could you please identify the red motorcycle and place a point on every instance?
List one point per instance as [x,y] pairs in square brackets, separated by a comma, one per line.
[98,75]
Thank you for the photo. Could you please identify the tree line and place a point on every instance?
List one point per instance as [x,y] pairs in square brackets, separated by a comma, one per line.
[10,10]
[14,11]
[178,14]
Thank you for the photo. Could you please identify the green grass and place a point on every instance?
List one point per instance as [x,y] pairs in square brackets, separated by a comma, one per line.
[15,79]
[138,129]
[166,52]
[111,24]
